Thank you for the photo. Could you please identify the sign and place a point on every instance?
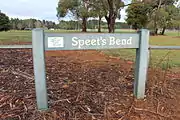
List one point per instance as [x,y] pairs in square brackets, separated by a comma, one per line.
[80,41]
[90,41]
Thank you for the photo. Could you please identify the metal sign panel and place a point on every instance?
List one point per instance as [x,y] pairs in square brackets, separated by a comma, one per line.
[77,41]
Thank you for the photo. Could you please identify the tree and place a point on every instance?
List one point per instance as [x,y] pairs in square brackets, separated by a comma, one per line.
[13,23]
[68,25]
[97,12]
[137,15]
[38,24]
[112,10]
[78,8]
[51,24]
[4,22]
[166,17]
[20,25]
[176,21]
[30,23]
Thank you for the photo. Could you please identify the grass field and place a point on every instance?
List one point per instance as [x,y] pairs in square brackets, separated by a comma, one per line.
[21,36]
[25,36]
[162,58]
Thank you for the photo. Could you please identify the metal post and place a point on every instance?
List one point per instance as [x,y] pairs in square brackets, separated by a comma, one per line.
[39,68]
[142,59]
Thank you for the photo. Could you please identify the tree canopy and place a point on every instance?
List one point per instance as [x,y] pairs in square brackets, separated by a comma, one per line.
[137,15]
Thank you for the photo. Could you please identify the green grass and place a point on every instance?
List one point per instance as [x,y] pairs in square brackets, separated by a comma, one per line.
[26,36]
[158,57]
[173,33]
[15,36]
[23,36]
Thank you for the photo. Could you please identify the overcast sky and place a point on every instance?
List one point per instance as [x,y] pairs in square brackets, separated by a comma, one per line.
[38,9]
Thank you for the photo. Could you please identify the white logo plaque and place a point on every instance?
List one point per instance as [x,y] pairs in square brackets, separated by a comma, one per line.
[55,42]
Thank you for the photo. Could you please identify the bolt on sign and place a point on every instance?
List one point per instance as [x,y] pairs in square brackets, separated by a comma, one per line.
[42,41]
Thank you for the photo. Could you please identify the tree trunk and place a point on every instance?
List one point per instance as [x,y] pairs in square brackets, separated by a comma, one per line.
[112,15]
[111,23]
[155,25]
[156,31]
[84,23]
[163,31]
[178,30]
[156,15]
[99,27]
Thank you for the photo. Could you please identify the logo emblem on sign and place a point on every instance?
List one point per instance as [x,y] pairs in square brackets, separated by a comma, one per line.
[55,42]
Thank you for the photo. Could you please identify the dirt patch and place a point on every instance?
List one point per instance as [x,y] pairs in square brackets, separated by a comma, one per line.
[84,85]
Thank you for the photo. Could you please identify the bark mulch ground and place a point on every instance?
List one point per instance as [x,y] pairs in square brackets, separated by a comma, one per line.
[84,85]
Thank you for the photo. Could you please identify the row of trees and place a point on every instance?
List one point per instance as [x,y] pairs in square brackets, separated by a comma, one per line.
[84,9]
[28,24]
[91,24]
[141,13]
[18,24]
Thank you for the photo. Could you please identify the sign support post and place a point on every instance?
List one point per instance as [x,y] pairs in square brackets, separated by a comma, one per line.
[39,68]
[142,59]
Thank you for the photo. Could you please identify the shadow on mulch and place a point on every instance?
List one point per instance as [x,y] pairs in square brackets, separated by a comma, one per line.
[83,86]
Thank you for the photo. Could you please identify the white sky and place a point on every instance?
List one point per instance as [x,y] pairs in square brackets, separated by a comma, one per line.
[39,9]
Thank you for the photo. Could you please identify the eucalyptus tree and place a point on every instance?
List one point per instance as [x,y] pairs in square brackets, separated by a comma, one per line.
[97,11]
[112,9]
[78,8]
